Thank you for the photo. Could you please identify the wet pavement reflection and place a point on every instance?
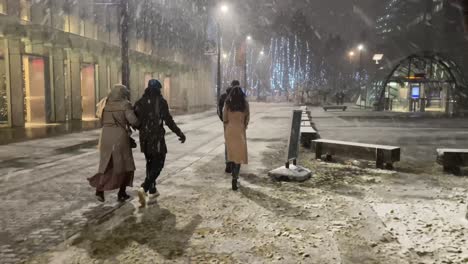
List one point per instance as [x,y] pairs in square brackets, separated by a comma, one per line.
[20,134]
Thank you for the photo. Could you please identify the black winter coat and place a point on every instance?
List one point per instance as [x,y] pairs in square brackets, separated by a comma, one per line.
[152,132]
[222,100]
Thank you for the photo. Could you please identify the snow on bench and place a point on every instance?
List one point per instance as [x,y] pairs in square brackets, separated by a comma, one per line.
[382,154]
[452,159]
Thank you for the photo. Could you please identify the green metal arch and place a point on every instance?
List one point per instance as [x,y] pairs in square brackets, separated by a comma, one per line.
[453,70]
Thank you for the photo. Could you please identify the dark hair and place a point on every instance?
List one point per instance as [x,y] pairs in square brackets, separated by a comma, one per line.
[235,83]
[236,101]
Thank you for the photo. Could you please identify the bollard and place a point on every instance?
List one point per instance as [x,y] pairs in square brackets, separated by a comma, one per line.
[451,107]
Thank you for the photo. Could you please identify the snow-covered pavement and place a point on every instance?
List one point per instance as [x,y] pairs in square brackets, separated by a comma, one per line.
[344,214]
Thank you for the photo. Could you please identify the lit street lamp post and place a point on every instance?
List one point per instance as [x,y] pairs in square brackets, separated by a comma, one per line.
[224,9]
[259,86]
[361,48]
[247,40]
[218,80]
[352,69]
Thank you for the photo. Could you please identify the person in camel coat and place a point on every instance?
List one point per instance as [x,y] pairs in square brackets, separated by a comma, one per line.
[236,117]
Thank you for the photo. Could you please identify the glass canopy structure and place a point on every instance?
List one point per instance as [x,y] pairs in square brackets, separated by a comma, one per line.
[420,83]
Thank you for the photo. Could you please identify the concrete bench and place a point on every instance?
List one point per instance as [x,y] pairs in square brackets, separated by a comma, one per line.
[306,123]
[335,107]
[452,159]
[308,133]
[384,156]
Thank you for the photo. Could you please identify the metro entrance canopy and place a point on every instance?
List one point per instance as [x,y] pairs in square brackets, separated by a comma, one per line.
[418,83]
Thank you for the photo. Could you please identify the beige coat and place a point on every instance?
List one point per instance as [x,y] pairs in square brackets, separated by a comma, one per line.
[116,165]
[235,126]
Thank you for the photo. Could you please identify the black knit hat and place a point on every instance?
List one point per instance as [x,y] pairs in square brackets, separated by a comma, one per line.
[154,84]
[235,83]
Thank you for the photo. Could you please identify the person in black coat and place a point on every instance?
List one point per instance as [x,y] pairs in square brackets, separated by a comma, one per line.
[152,111]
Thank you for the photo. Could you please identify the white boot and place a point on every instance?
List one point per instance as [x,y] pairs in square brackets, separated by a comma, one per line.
[142,197]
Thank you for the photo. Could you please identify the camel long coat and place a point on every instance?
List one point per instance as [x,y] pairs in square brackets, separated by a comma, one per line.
[235,127]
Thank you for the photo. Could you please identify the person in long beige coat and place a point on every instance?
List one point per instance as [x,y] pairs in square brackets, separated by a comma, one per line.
[236,117]
[116,167]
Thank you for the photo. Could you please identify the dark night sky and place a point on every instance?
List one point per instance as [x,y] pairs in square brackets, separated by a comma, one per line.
[345,17]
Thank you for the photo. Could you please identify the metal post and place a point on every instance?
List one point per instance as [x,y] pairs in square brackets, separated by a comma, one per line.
[360,78]
[124,43]
[465,15]
[219,83]
[245,65]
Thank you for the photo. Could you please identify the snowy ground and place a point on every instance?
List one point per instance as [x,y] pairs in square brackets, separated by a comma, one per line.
[344,214]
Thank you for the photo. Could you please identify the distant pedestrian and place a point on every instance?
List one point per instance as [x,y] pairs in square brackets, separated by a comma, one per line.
[236,117]
[221,103]
[337,98]
[116,167]
[342,97]
[153,111]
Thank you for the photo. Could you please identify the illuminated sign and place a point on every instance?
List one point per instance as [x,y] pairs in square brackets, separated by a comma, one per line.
[415,92]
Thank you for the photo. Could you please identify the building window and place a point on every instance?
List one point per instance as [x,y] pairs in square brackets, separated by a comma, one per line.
[25,10]
[3,6]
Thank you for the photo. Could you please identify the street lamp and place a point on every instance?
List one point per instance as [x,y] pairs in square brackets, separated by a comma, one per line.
[224,9]
[351,56]
[262,53]
[247,40]
[361,48]
[124,46]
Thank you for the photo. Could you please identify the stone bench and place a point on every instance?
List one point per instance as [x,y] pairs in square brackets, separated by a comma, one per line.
[335,107]
[308,133]
[384,156]
[452,159]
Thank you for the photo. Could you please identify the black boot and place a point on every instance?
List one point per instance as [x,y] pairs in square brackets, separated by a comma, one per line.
[228,167]
[235,176]
[100,196]
[234,184]
[122,196]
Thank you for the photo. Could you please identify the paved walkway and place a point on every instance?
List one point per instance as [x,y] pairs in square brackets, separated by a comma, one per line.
[43,183]
[344,214]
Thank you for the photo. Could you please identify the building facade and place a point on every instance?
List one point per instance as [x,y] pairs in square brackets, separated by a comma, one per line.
[58,58]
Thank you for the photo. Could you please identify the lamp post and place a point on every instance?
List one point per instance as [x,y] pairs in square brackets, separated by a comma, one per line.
[259,86]
[351,55]
[361,48]
[224,9]
[218,78]
[124,47]
[124,43]
[247,40]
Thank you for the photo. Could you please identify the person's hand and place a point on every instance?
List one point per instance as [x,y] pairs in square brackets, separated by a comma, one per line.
[182,138]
